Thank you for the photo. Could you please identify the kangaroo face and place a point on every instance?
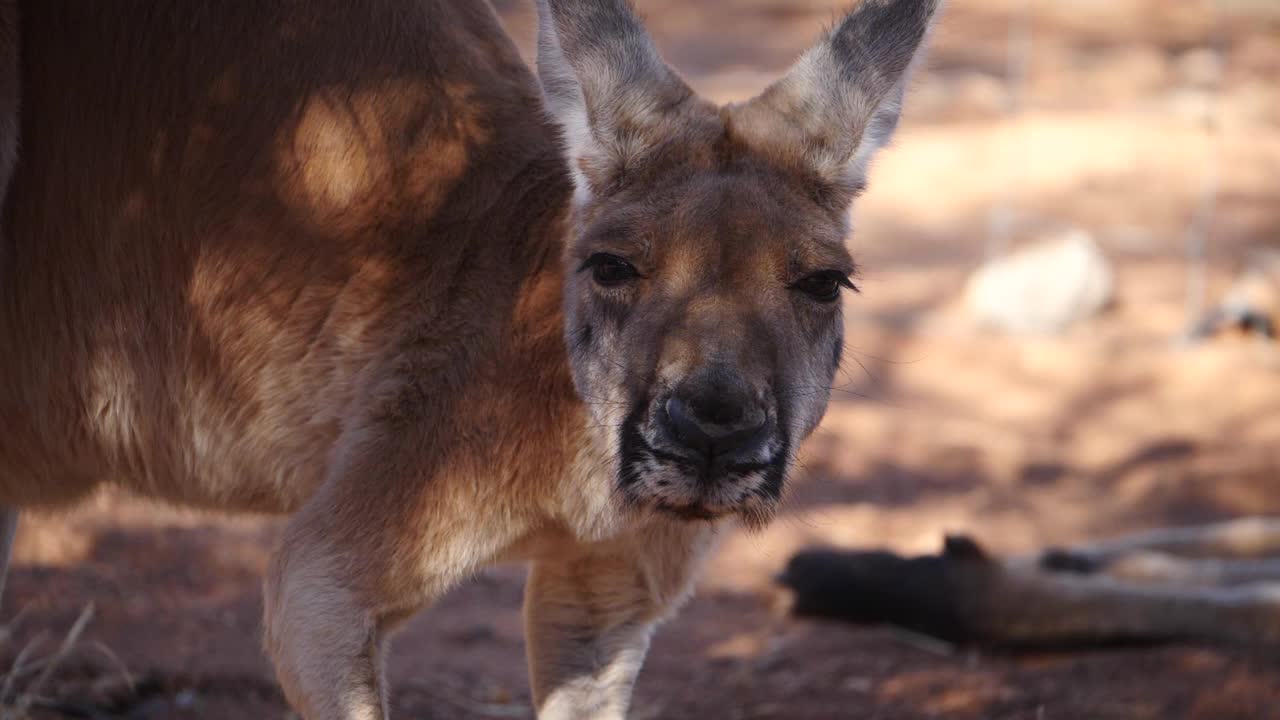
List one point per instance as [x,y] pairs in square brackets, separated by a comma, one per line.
[704,324]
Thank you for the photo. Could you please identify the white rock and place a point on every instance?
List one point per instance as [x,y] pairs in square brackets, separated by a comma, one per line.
[1200,67]
[1043,287]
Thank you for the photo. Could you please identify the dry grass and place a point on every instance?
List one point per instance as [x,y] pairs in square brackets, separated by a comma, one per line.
[24,685]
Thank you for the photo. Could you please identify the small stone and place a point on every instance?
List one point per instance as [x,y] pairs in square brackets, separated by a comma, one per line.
[1200,67]
[1044,287]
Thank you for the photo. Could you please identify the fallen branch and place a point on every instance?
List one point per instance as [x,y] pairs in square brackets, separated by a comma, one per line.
[964,595]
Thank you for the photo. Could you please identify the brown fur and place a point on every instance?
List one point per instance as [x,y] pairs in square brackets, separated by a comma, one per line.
[9,93]
[323,258]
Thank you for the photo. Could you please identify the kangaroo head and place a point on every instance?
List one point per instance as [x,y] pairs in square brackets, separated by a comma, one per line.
[706,264]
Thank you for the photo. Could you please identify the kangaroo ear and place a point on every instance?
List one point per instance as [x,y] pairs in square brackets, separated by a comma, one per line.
[606,86]
[841,101]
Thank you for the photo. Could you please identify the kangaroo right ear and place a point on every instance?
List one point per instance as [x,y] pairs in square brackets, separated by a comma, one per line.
[840,103]
[606,86]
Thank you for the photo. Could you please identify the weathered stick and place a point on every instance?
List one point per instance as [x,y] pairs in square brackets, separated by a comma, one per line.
[1144,566]
[1255,537]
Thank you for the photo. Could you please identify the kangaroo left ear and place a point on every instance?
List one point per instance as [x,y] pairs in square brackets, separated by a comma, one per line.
[841,101]
[604,83]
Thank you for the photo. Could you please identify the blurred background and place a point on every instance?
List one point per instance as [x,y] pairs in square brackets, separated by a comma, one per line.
[1070,259]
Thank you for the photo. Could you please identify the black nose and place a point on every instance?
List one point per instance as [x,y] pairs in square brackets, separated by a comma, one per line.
[715,415]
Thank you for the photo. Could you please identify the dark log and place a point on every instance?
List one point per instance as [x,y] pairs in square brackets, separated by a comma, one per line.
[963,595]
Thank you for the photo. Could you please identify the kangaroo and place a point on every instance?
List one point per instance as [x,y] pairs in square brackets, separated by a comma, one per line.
[354,262]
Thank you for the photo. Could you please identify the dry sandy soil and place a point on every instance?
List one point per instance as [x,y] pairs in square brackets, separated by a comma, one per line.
[938,426]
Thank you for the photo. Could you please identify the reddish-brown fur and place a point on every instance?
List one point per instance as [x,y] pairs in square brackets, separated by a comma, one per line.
[200,241]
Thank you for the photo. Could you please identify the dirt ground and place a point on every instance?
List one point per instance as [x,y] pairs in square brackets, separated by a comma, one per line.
[938,426]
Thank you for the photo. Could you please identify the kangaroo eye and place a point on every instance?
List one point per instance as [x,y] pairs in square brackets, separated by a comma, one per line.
[824,286]
[610,270]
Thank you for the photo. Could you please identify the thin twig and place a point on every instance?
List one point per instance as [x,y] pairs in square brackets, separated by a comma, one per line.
[23,703]
[19,664]
[115,660]
[1198,231]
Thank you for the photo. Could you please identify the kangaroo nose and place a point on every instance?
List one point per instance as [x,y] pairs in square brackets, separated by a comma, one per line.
[716,417]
